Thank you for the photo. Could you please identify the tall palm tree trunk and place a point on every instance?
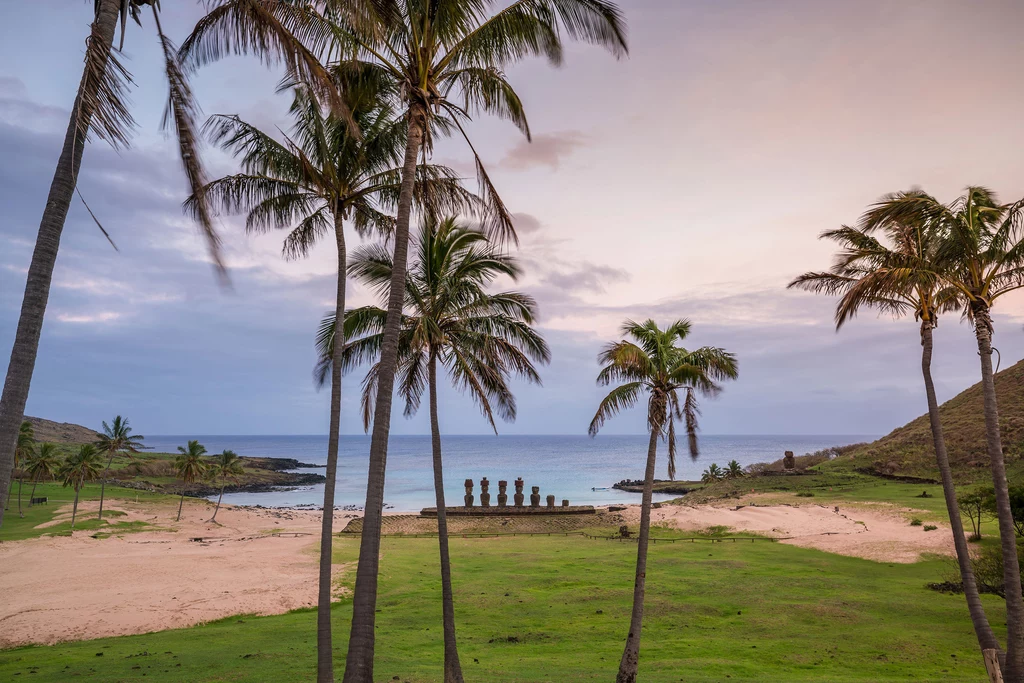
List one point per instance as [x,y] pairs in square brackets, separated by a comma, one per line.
[40,270]
[180,503]
[982,629]
[74,510]
[219,499]
[359,659]
[20,480]
[324,642]
[32,495]
[452,666]
[630,662]
[1007,533]
[103,483]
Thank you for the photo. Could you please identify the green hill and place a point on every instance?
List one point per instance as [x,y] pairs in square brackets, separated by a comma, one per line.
[908,451]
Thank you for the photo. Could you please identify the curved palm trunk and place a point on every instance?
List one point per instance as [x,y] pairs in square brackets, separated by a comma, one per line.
[359,659]
[40,270]
[982,629]
[103,483]
[631,655]
[180,503]
[1014,669]
[324,642]
[20,480]
[32,495]
[74,510]
[452,666]
[219,499]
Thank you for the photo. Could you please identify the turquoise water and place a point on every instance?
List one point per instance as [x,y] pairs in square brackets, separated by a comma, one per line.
[567,466]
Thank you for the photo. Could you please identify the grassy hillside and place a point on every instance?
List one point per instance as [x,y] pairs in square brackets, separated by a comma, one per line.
[908,451]
[61,432]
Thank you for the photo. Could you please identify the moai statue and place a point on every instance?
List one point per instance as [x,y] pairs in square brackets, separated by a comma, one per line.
[551,501]
[518,497]
[502,496]
[565,502]
[534,496]
[469,493]
[485,493]
[788,462]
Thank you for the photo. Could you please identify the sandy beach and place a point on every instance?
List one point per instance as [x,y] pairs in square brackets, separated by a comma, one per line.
[72,588]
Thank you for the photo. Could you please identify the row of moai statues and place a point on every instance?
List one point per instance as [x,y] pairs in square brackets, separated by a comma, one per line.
[517,498]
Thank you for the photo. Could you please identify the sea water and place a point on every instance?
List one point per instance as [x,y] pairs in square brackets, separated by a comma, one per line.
[577,468]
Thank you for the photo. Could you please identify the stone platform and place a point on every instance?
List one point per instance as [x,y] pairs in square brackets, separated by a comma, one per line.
[510,511]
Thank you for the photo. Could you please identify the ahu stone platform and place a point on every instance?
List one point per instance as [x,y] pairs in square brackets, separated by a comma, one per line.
[503,509]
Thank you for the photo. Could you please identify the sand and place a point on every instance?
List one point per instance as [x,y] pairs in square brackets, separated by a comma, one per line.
[73,588]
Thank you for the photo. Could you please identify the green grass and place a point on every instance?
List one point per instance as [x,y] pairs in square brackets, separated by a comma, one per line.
[16,528]
[533,609]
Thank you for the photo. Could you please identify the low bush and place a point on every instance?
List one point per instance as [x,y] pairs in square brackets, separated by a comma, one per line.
[805,494]
[930,527]
[916,522]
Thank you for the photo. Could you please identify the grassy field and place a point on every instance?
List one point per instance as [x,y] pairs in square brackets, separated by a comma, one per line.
[554,609]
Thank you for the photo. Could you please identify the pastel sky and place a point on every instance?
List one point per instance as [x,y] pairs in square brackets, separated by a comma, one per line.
[687,181]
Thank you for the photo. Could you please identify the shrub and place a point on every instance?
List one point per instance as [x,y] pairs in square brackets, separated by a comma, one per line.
[930,527]
[805,494]
[915,522]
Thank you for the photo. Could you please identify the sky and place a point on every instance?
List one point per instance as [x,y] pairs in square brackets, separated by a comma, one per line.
[689,180]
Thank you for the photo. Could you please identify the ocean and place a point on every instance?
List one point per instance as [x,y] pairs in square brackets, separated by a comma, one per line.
[570,467]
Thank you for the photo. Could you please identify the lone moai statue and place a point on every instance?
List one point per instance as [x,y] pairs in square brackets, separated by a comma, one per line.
[551,501]
[534,496]
[502,496]
[518,497]
[565,502]
[469,493]
[485,493]
[788,462]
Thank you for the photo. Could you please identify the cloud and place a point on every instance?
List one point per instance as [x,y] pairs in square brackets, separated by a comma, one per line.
[547,149]
[526,224]
[586,277]
[87,318]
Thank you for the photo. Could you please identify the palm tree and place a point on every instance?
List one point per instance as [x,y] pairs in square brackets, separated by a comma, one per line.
[483,339]
[319,178]
[227,467]
[23,451]
[899,276]
[100,109]
[447,59]
[190,468]
[79,468]
[733,470]
[651,363]
[116,439]
[712,474]
[42,464]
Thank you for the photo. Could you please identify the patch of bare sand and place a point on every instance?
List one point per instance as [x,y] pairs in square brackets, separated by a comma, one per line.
[857,531]
[72,588]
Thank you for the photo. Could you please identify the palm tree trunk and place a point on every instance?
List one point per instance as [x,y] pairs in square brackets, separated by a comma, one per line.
[33,494]
[359,660]
[982,629]
[103,483]
[180,503]
[631,655]
[452,666]
[40,270]
[74,510]
[219,499]
[20,480]
[1007,533]
[324,640]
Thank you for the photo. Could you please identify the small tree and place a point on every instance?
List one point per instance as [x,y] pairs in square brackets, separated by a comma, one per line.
[712,474]
[974,505]
[116,439]
[42,464]
[190,467]
[226,466]
[22,452]
[79,468]
[734,470]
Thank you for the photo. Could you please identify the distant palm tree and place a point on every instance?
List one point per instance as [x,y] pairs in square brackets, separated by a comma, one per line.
[78,468]
[190,468]
[483,339]
[23,451]
[100,109]
[650,363]
[733,470]
[447,60]
[42,464]
[226,467]
[712,474]
[116,439]
[900,275]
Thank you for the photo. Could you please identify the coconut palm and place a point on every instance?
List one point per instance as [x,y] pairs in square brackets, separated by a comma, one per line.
[78,468]
[897,274]
[42,464]
[650,363]
[100,109]
[712,474]
[22,452]
[482,339]
[319,178]
[225,467]
[190,467]
[116,439]
[733,470]
[447,59]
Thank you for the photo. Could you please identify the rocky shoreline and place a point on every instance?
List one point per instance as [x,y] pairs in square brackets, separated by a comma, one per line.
[660,486]
[275,476]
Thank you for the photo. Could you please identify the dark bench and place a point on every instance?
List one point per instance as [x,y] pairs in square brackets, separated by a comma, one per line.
[37,501]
